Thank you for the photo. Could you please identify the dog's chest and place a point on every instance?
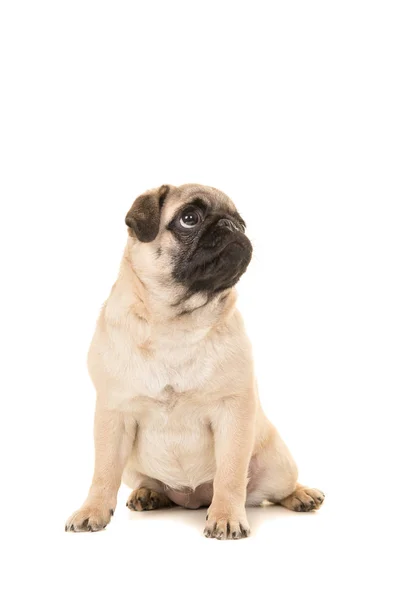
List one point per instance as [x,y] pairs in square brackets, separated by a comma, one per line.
[161,370]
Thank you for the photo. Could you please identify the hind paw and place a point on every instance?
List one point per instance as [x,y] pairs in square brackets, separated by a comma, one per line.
[304,499]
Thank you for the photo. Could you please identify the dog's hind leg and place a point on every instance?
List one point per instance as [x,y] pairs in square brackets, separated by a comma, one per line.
[273,477]
[148,493]
[145,498]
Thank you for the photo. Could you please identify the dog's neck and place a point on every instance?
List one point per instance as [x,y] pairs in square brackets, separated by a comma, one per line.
[160,303]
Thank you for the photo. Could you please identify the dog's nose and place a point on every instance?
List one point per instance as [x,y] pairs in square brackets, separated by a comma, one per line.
[229,224]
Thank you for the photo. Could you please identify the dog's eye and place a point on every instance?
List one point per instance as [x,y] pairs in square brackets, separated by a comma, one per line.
[190,218]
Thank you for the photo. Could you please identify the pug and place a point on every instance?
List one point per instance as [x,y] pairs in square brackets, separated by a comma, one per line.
[178,417]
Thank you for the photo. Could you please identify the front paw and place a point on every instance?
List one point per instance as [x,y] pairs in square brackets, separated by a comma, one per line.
[90,517]
[226,526]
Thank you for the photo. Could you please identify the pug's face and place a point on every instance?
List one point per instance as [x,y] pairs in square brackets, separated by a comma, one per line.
[189,237]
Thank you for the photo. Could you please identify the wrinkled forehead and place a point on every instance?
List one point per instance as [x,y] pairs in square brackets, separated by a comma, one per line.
[185,194]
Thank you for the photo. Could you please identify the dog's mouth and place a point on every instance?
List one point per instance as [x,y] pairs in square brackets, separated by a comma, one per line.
[235,247]
[216,269]
[229,244]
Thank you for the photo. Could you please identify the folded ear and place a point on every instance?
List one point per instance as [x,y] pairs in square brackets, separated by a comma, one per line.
[143,219]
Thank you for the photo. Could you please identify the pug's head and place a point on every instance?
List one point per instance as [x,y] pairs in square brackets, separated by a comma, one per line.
[189,238]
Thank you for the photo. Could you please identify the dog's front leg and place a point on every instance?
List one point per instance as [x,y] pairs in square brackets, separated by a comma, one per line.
[233,427]
[114,434]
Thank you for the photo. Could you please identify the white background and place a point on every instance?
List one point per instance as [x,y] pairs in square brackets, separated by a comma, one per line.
[291,108]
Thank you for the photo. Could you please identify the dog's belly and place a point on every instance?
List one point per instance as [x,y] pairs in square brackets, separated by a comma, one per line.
[179,452]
